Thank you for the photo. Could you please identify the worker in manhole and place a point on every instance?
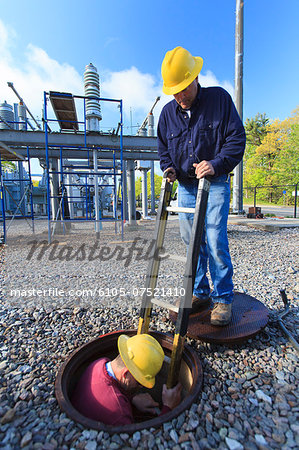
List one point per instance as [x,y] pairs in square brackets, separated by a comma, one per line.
[200,134]
[108,390]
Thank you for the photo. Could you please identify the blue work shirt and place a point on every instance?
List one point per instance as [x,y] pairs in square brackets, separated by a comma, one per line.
[213,132]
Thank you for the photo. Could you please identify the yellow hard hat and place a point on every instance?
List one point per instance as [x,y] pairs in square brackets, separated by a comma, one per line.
[179,69]
[143,356]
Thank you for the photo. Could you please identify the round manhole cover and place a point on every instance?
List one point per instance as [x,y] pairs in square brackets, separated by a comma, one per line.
[249,316]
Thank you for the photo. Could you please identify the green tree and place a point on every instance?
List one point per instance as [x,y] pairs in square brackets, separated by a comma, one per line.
[286,166]
[8,166]
[274,161]
[256,129]
[158,182]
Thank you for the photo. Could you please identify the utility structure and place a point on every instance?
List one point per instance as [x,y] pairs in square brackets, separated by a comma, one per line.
[97,158]
[238,171]
[77,150]
[16,188]
[144,166]
[58,169]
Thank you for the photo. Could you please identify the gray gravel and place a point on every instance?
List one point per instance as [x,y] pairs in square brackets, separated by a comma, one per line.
[250,393]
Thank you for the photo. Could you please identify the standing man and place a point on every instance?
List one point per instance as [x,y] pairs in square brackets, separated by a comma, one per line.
[201,134]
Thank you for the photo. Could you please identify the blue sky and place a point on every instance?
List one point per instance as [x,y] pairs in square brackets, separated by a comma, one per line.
[46,46]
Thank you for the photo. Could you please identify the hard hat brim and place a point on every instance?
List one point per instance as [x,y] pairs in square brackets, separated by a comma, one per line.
[123,351]
[171,90]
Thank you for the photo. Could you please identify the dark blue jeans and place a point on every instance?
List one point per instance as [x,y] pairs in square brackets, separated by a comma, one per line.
[214,248]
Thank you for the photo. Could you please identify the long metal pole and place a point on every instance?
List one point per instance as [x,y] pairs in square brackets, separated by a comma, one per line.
[2,202]
[96,193]
[48,169]
[131,192]
[295,205]
[27,109]
[31,189]
[153,187]
[238,171]
[122,170]
[144,194]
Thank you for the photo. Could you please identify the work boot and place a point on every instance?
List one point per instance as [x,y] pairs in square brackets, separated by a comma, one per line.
[221,314]
[198,303]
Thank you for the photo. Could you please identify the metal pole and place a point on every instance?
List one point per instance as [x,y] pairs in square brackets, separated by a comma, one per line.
[2,202]
[21,100]
[96,193]
[131,192]
[69,181]
[125,190]
[31,189]
[61,189]
[254,198]
[144,194]
[295,207]
[238,171]
[22,188]
[122,170]
[115,199]
[48,169]
[54,190]
[153,187]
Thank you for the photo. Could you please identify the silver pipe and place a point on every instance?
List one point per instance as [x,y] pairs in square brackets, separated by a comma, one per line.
[21,100]
[96,191]
[238,171]
[144,194]
[152,187]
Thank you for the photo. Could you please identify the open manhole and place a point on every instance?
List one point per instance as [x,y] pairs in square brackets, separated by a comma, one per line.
[249,316]
[191,377]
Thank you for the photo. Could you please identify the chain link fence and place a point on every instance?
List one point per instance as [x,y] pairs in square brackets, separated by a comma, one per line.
[279,195]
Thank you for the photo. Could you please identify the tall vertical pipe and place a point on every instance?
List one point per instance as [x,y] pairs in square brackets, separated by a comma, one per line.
[21,176]
[69,187]
[125,191]
[2,203]
[238,171]
[96,192]
[22,117]
[152,187]
[131,191]
[144,194]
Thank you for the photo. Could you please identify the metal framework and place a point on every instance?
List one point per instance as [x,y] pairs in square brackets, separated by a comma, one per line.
[7,219]
[56,191]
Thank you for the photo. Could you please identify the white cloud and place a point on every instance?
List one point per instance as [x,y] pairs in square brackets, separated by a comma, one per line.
[210,80]
[7,36]
[137,90]
[37,72]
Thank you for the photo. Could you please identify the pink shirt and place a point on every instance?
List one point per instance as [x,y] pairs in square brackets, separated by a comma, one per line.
[99,396]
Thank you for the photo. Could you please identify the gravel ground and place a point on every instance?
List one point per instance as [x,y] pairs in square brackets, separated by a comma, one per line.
[54,299]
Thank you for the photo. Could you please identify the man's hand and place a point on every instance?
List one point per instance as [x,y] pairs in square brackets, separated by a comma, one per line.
[171,397]
[171,174]
[145,403]
[203,169]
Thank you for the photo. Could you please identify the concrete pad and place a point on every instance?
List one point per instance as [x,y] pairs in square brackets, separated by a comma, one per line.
[271,224]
